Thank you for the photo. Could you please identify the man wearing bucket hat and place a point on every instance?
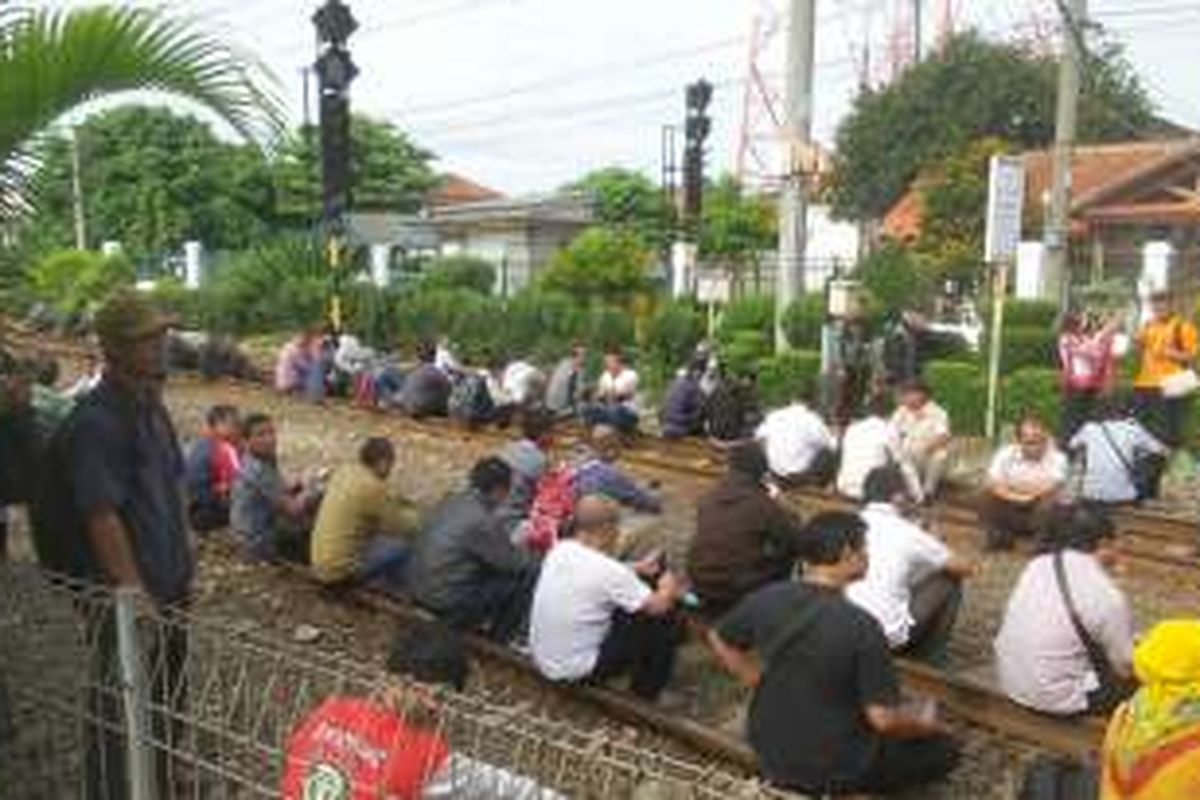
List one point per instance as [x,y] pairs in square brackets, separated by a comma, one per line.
[111,511]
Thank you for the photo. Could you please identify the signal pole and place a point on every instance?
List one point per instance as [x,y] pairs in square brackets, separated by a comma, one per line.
[697,126]
[916,31]
[1056,236]
[335,71]
[793,200]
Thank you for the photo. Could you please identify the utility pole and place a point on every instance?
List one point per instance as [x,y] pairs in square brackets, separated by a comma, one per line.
[793,200]
[1056,236]
[916,12]
[77,194]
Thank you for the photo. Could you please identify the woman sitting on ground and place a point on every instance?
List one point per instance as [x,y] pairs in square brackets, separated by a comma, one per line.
[1152,749]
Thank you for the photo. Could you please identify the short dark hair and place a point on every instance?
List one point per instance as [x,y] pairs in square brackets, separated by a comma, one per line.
[426,352]
[490,474]
[536,423]
[375,450]
[915,385]
[1077,526]
[252,421]
[828,534]
[46,370]
[882,484]
[747,458]
[430,652]
[221,413]
[878,405]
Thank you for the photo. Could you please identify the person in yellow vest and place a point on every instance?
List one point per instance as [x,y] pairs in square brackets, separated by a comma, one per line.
[1167,346]
[1152,747]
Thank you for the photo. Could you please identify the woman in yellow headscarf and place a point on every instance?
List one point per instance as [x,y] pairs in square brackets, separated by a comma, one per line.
[1152,748]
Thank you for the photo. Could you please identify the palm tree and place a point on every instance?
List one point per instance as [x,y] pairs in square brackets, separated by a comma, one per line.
[54,61]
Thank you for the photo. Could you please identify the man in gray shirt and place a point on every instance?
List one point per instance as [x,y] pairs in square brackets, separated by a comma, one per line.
[1111,448]
[565,390]
[465,566]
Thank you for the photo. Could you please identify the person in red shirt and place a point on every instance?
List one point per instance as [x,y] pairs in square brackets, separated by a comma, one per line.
[1085,357]
[213,463]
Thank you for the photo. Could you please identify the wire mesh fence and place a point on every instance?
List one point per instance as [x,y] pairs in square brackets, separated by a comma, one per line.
[103,696]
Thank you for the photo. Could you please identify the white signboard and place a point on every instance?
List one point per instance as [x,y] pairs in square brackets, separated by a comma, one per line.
[1006,198]
[712,287]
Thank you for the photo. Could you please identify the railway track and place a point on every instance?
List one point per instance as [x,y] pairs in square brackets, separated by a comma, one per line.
[967,695]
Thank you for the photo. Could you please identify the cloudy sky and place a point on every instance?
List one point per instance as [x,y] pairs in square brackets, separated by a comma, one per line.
[524,95]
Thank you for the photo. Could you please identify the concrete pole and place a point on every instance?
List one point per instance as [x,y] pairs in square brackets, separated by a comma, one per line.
[1058,219]
[77,194]
[916,31]
[793,201]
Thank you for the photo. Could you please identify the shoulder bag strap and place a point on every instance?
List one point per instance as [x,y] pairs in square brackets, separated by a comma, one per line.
[799,623]
[1112,445]
[1096,654]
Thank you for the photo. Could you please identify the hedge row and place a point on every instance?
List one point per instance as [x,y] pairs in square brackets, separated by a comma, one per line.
[961,389]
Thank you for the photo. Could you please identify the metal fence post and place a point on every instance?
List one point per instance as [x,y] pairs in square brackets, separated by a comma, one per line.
[134,692]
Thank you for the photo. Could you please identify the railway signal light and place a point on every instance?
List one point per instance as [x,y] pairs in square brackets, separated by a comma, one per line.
[334,23]
[335,72]
[697,127]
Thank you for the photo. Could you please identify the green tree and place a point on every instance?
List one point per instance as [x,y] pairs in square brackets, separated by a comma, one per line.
[53,60]
[629,200]
[972,89]
[75,280]
[737,227]
[601,264]
[388,172]
[152,180]
[894,278]
[953,198]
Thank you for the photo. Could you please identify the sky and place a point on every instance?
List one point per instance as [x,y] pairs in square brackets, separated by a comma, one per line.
[526,95]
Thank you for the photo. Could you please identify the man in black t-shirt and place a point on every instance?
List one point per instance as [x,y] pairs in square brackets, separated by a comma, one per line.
[826,713]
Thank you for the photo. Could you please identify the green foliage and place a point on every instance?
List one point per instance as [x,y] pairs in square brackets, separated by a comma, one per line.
[1030,314]
[895,279]
[953,196]
[748,313]
[629,201]
[971,90]
[743,350]
[736,227]
[783,377]
[671,336]
[54,60]
[388,172]
[803,320]
[604,265]
[1031,390]
[280,285]
[1028,347]
[75,280]
[961,389]
[458,272]
[152,180]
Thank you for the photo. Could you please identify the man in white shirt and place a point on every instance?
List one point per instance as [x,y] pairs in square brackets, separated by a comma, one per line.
[1022,485]
[595,618]
[523,383]
[1041,660]
[800,449]
[616,396]
[1111,448]
[868,444]
[913,585]
[924,430]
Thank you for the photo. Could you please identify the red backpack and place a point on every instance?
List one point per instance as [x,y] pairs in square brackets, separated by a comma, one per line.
[553,505]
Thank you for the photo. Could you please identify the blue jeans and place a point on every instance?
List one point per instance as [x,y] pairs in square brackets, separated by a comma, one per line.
[623,418]
[383,564]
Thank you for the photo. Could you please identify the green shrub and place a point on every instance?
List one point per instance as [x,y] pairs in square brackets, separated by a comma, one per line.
[75,280]
[754,313]
[280,285]
[1030,314]
[741,354]
[961,389]
[1033,390]
[1027,347]
[458,272]
[671,336]
[781,378]
[803,320]
[894,279]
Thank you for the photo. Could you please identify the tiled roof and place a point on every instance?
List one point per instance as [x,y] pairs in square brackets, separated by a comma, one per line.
[1098,173]
[455,189]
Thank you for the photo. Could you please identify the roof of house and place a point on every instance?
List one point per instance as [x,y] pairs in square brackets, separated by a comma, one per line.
[1099,174]
[455,189]
[570,209]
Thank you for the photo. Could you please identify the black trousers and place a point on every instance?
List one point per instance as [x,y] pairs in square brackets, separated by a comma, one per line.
[934,607]
[904,763]
[1162,416]
[164,657]
[1078,407]
[643,646]
[499,604]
